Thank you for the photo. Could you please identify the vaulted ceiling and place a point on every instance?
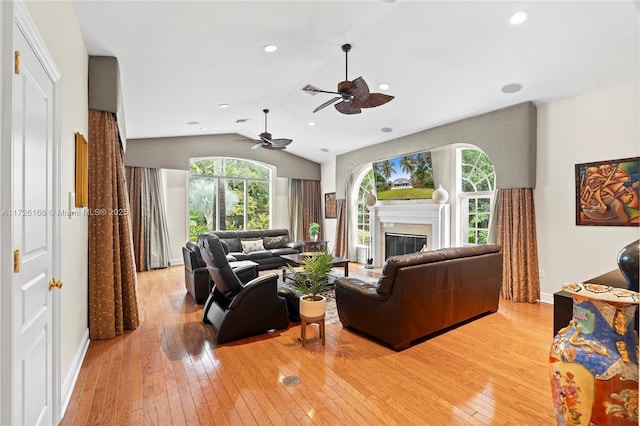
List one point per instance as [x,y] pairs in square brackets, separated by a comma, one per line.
[443,61]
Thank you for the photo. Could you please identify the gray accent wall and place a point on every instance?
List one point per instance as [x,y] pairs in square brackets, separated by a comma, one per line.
[105,91]
[507,136]
[176,152]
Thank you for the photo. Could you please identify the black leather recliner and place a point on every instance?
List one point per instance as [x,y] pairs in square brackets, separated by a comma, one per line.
[196,275]
[239,310]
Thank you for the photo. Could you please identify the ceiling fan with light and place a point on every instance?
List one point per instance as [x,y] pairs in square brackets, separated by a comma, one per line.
[353,95]
[266,141]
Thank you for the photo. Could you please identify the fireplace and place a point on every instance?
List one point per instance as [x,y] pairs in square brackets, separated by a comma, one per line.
[428,219]
[397,244]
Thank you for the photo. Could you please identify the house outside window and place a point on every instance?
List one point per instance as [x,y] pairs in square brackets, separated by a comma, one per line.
[228,194]
[476,192]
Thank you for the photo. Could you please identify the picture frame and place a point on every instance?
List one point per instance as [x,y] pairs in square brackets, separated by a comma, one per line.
[82,175]
[330,207]
[608,192]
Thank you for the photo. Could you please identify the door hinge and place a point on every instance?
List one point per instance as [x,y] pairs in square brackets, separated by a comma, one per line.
[16,261]
[16,64]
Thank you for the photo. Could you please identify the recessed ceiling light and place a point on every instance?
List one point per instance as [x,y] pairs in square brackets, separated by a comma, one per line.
[223,106]
[270,48]
[386,130]
[512,88]
[311,123]
[383,86]
[324,150]
[204,128]
[191,123]
[517,18]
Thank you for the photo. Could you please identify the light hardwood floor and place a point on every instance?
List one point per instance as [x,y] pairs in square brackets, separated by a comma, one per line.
[492,371]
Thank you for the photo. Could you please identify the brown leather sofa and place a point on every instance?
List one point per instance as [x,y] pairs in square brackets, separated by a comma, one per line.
[420,294]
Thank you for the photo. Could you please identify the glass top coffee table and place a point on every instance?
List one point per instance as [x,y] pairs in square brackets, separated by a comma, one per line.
[296,260]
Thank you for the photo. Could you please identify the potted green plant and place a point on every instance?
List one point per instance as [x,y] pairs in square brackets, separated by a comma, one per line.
[311,281]
[314,230]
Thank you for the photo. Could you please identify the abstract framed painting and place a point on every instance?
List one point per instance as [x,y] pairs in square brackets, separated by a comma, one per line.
[330,208]
[608,192]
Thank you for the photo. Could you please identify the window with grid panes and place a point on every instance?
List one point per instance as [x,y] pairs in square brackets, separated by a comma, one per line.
[477,186]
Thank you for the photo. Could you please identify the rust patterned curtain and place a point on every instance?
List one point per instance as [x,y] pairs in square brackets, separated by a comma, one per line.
[135,179]
[517,236]
[342,230]
[305,206]
[113,305]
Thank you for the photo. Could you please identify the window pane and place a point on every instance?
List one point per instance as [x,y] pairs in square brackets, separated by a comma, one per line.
[483,236]
[258,205]
[483,221]
[233,204]
[472,205]
[484,204]
[202,202]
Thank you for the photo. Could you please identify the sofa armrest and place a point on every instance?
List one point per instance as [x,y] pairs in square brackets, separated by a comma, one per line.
[259,288]
[359,288]
[296,245]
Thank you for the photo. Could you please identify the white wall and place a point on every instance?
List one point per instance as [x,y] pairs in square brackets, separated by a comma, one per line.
[603,125]
[176,205]
[57,25]
[328,184]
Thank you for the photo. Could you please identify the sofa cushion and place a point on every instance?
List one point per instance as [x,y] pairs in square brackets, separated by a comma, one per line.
[238,256]
[387,277]
[284,250]
[249,246]
[233,243]
[275,242]
[262,254]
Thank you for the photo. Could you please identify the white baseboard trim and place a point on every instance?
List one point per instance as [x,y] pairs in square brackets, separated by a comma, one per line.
[546,298]
[177,261]
[70,380]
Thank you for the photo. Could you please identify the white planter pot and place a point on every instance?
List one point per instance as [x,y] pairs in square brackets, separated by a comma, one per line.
[312,308]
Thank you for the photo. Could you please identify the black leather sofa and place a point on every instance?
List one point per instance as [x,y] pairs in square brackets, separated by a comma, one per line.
[420,294]
[268,246]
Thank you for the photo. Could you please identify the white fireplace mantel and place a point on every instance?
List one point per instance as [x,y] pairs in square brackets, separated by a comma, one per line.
[436,215]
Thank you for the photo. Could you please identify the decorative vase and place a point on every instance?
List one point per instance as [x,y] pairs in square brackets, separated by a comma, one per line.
[314,237]
[312,308]
[593,362]
[440,195]
[628,264]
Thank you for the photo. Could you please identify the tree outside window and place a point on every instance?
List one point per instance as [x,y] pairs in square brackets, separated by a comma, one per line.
[477,178]
[228,194]
[362,211]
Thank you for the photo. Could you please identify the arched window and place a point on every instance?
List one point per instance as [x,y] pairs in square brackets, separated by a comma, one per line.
[228,194]
[363,186]
[476,190]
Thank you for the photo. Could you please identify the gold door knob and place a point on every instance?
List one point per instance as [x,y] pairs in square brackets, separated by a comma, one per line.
[54,283]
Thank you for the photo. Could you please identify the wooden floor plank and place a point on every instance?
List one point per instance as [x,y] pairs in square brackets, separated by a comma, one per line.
[491,371]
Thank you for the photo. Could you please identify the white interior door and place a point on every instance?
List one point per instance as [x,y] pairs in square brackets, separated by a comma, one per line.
[32,397]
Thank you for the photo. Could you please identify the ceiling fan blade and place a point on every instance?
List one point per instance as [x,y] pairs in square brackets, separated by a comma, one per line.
[374,100]
[277,148]
[257,145]
[315,90]
[280,142]
[326,104]
[348,107]
[359,89]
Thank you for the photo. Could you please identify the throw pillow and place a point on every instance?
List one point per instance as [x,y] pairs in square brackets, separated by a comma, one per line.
[249,246]
[276,242]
